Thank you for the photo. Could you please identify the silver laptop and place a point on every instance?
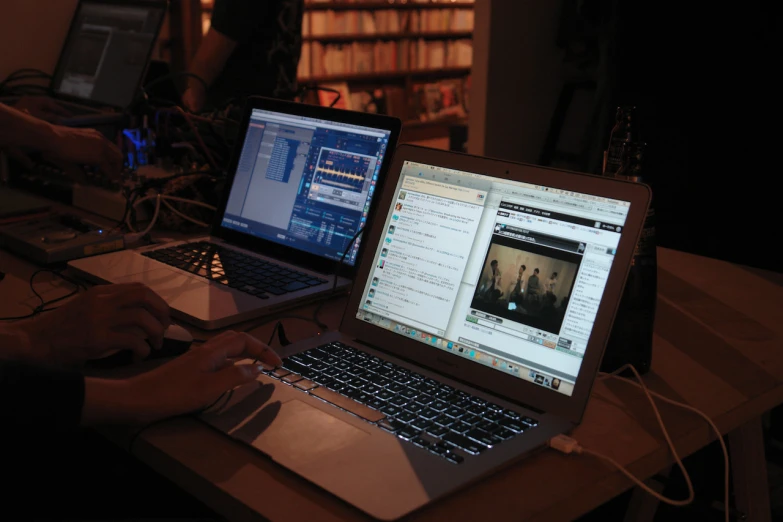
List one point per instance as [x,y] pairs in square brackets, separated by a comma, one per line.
[104,58]
[473,334]
[300,189]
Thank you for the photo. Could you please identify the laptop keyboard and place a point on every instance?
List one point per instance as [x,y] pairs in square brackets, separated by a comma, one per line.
[446,422]
[228,267]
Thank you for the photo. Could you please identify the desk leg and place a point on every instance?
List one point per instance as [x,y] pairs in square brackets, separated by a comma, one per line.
[642,506]
[749,468]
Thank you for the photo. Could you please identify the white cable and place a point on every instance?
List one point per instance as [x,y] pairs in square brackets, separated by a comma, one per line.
[190,202]
[151,224]
[165,199]
[567,445]
[183,216]
[650,394]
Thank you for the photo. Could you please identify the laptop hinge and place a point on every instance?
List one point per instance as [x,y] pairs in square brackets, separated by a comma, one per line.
[416,363]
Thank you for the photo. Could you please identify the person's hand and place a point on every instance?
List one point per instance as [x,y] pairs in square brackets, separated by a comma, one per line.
[84,146]
[197,378]
[194,98]
[42,107]
[101,321]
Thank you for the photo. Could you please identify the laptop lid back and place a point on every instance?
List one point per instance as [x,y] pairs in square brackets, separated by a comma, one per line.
[502,275]
[107,49]
[303,179]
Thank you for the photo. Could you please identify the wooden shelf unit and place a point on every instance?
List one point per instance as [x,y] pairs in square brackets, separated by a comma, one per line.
[431,35]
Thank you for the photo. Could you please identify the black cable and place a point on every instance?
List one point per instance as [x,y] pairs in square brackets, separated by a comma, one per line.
[337,267]
[24,74]
[44,305]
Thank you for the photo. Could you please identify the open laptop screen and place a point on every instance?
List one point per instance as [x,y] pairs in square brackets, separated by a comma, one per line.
[305,182]
[106,51]
[504,273]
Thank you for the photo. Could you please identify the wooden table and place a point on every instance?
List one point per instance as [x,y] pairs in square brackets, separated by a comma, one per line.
[719,333]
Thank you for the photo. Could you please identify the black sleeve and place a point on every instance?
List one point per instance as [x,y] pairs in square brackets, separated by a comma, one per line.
[237,19]
[40,398]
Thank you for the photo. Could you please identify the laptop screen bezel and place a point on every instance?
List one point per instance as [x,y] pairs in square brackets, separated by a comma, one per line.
[473,373]
[59,69]
[305,259]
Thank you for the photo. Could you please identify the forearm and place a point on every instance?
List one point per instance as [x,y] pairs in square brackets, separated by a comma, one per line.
[16,344]
[19,129]
[109,401]
[211,57]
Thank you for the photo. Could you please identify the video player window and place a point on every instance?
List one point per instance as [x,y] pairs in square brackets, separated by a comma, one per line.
[106,52]
[526,283]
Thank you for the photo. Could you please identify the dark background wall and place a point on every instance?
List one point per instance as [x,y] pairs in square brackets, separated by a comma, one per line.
[704,80]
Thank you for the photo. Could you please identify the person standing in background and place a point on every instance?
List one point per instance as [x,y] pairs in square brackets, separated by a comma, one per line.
[516,292]
[252,48]
[550,285]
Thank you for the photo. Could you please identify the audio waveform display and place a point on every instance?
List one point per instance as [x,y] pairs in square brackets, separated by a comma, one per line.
[342,169]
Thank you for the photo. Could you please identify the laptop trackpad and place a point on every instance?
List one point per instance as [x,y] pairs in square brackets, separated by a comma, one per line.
[296,433]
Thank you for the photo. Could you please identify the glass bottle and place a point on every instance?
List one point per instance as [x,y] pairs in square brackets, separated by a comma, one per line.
[631,339]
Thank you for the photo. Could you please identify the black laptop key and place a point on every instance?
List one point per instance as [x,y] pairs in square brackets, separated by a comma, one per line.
[429,413]
[391,410]
[414,407]
[294,286]
[391,425]
[471,418]
[439,405]
[464,443]
[530,422]
[493,416]
[364,398]
[515,426]
[424,399]
[294,366]
[385,395]
[371,388]
[460,427]
[453,457]
[422,443]
[503,433]
[356,382]
[381,381]
[483,437]
[323,380]
[337,386]
[437,449]
[421,424]
[274,290]
[351,392]
[395,387]
[454,412]
[487,426]
[408,433]
[406,417]
[399,401]
[477,409]
[376,404]
[409,393]
[444,420]
[512,414]
[436,430]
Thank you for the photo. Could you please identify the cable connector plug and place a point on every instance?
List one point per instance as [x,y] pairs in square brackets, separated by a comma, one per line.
[565,444]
